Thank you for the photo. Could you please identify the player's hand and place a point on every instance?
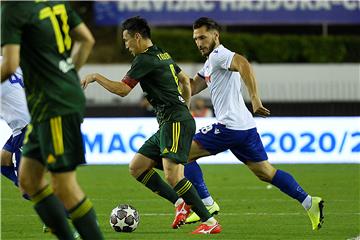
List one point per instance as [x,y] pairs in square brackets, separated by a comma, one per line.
[258,108]
[88,79]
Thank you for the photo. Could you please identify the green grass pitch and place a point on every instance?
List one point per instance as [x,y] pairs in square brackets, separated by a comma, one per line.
[249,209]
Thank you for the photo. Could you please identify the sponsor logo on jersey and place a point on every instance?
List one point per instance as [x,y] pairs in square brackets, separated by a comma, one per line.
[181,99]
[16,78]
[51,159]
[67,65]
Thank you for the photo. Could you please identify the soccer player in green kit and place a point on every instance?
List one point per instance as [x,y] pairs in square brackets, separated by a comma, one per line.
[168,90]
[39,36]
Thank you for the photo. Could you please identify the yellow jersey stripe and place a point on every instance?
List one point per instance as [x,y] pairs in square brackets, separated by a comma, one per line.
[41,115]
[57,130]
[61,140]
[173,137]
[53,134]
[177,136]
[27,133]
[37,102]
[57,136]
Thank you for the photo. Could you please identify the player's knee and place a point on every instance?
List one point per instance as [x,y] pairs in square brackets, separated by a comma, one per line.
[135,171]
[170,179]
[69,193]
[264,171]
[60,193]
[27,185]
[263,175]
[58,189]
[6,158]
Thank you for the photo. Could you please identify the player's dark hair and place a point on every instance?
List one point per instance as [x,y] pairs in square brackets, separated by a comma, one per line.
[208,22]
[137,25]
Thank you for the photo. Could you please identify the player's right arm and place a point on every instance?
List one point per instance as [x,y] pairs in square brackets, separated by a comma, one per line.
[84,42]
[11,60]
[241,65]
[11,29]
[185,87]
[121,88]
[197,84]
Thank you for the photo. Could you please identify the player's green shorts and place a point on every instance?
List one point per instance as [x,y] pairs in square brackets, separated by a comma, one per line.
[57,143]
[172,140]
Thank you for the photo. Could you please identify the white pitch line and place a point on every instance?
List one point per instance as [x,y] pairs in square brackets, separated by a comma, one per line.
[221,213]
[354,238]
[222,200]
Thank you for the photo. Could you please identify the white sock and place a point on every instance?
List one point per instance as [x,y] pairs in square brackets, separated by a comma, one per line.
[211,221]
[208,201]
[307,202]
[178,202]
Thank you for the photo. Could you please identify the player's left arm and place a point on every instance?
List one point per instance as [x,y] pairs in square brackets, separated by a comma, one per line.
[10,61]
[241,65]
[121,88]
[184,81]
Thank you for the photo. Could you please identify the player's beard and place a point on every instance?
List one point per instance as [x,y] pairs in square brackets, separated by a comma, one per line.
[211,48]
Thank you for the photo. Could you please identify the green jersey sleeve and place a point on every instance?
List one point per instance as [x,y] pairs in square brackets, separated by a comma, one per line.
[73,17]
[11,23]
[140,67]
[177,68]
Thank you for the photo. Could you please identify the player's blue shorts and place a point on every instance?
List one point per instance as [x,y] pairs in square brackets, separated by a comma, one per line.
[14,144]
[246,145]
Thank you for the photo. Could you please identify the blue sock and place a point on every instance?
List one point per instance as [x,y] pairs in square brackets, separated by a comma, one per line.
[287,184]
[194,174]
[9,172]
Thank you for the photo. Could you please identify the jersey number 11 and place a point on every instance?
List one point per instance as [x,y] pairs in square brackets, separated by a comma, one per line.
[58,9]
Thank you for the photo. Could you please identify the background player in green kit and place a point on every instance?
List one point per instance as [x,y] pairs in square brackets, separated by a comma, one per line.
[40,36]
[167,89]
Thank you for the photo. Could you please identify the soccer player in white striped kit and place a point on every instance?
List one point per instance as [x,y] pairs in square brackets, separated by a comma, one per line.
[16,114]
[236,128]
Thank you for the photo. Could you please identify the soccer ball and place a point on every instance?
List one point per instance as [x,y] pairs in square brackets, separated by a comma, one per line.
[124,218]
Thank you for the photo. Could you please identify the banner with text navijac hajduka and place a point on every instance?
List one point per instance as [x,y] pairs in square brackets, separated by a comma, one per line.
[230,12]
[286,139]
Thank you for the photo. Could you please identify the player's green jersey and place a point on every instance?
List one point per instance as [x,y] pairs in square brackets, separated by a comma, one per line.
[42,28]
[157,73]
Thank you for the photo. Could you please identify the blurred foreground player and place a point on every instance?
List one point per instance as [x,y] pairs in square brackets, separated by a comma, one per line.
[41,40]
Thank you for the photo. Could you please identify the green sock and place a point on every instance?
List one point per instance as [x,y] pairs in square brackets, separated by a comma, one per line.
[84,219]
[51,212]
[152,180]
[187,191]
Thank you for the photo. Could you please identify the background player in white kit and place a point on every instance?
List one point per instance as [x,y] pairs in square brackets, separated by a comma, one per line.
[236,129]
[16,114]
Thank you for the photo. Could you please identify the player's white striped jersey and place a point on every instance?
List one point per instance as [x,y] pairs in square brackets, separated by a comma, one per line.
[13,107]
[225,90]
